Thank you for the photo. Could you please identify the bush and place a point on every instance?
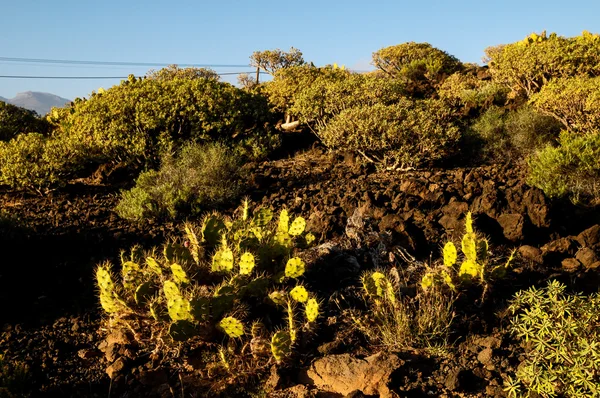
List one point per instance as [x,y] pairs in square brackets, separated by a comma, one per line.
[408,133]
[15,120]
[287,83]
[143,118]
[415,62]
[528,65]
[575,102]
[469,91]
[502,134]
[35,162]
[173,72]
[336,90]
[202,176]
[271,61]
[562,354]
[569,170]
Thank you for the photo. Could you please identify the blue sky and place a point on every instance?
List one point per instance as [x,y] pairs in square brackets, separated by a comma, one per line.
[228,31]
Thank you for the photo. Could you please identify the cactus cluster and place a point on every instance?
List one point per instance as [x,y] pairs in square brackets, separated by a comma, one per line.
[474,266]
[206,282]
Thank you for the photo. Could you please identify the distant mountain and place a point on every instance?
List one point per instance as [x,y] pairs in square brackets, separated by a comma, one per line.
[36,101]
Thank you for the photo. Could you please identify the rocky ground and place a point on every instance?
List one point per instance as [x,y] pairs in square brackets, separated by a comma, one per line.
[52,323]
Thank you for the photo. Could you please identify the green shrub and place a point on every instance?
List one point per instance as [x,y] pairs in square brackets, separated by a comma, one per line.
[571,169]
[287,83]
[527,65]
[468,90]
[223,276]
[562,343]
[408,133]
[140,119]
[173,72]
[271,61]
[15,378]
[414,62]
[200,177]
[15,120]
[575,102]
[502,134]
[35,162]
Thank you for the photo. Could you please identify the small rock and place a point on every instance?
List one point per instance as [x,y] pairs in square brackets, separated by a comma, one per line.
[488,342]
[343,374]
[570,264]
[561,246]
[512,226]
[485,356]
[87,353]
[531,253]
[590,237]
[452,381]
[587,257]
[116,368]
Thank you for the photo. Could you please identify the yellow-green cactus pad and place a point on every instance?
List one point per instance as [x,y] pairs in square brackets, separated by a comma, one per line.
[179,274]
[233,327]
[143,293]
[469,247]
[108,302]
[179,309]
[311,309]
[469,223]
[299,294]
[284,222]
[450,254]
[281,345]
[223,260]
[103,279]
[294,268]
[470,268]
[246,263]
[171,290]
[297,226]
[153,265]
[182,330]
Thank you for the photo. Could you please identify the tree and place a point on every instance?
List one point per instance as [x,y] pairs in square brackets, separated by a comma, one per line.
[271,61]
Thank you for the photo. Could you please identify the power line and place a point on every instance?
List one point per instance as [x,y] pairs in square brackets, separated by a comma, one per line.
[113,63]
[101,77]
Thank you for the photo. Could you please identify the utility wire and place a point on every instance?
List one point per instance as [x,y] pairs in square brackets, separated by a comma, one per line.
[112,63]
[102,77]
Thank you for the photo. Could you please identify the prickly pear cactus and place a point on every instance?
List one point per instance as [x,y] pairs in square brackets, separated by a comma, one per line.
[378,287]
[299,294]
[193,242]
[281,345]
[311,310]
[153,265]
[297,226]
[450,254]
[246,263]
[223,258]
[233,327]
[144,292]
[179,275]
[294,268]
[278,297]
[182,330]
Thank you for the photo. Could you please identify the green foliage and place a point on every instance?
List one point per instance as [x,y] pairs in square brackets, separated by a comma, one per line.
[271,61]
[287,83]
[174,72]
[527,65]
[15,120]
[398,322]
[575,102]
[467,90]
[201,176]
[415,62]
[502,134]
[562,343]
[213,280]
[407,133]
[33,161]
[570,169]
